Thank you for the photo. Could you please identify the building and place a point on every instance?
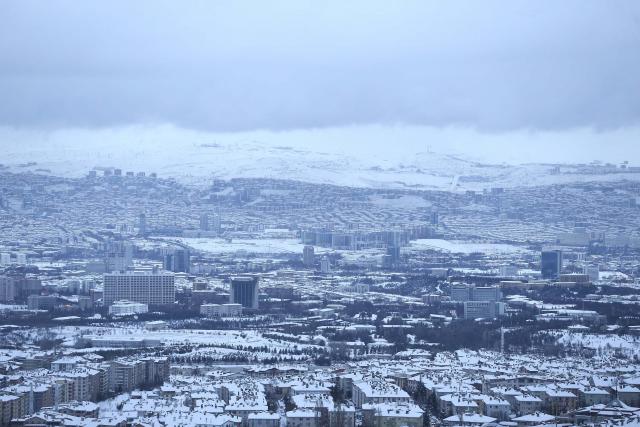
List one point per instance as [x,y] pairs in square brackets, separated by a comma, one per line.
[593,271]
[204,222]
[465,292]
[41,302]
[152,288]
[7,289]
[244,291]
[217,223]
[483,309]
[402,414]
[508,270]
[127,308]
[19,287]
[118,256]
[308,256]
[142,225]
[377,391]
[325,265]
[221,310]
[21,258]
[551,264]
[5,258]
[263,419]
[178,261]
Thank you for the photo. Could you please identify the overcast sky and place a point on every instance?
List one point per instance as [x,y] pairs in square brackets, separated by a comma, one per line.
[242,65]
[220,66]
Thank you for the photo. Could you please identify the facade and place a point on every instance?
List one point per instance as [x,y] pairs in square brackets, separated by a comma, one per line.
[308,256]
[17,288]
[118,256]
[142,225]
[551,264]
[204,222]
[127,308]
[156,288]
[374,392]
[467,292]
[178,261]
[244,291]
[7,289]
[221,310]
[393,415]
[41,302]
[484,309]
[325,265]
[5,258]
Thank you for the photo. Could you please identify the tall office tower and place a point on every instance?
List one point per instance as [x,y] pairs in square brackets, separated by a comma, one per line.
[551,264]
[325,265]
[204,222]
[244,290]
[118,256]
[20,286]
[5,258]
[153,288]
[308,255]
[217,223]
[142,225]
[178,261]
[7,289]
[434,218]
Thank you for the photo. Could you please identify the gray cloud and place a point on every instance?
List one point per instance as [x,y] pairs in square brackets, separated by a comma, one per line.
[242,65]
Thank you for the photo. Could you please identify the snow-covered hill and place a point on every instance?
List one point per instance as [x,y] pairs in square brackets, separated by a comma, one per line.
[390,159]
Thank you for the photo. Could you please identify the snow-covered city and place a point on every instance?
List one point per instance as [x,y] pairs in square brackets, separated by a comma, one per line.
[319,214]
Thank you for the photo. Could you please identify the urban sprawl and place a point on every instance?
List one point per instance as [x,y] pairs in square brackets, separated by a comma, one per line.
[131,299]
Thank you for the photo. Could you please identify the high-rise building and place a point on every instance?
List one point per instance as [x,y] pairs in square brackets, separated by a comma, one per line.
[118,256]
[204,222]
[308,255]
[325,265]
[217,223]
[7,289]
[394,252]
[461,292]
[142,225]
[178,261]
[153,288]
[19,287]
[244,290]
[551,264]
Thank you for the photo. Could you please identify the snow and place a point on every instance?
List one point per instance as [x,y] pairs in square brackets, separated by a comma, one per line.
[254,246]
[464,247]
[376,157]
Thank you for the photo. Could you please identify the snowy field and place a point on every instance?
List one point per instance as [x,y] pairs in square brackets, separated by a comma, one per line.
[464,247]
[626,343]
[169,337]
[249,246]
